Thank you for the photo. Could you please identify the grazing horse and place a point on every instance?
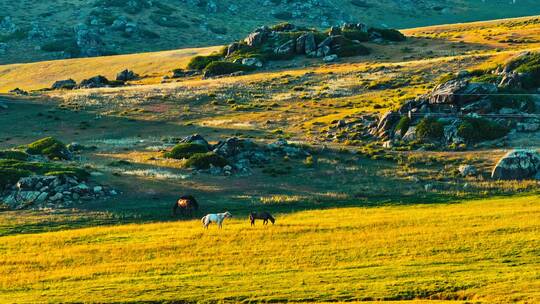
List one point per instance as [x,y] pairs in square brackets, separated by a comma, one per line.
[187,204]
[265,216]
[216,218]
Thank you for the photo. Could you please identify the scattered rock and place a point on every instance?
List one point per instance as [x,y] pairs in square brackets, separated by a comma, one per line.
[94,82]
[331,58]
[252,62]
[18,91]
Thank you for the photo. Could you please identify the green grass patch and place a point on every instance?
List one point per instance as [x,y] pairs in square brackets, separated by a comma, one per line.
[185,150]
[206,160]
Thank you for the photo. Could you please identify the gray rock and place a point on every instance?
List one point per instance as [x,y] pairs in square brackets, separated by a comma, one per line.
[195,139]
[517,165]
[67,84]
[98,189]
[467,170]
[458,92]
[252,62]
[42,197]
[331,58]
[286,49]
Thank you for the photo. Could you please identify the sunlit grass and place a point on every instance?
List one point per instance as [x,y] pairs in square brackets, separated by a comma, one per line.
[485,251]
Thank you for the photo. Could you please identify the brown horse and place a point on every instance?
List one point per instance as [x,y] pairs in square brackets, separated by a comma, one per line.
[187,204]
[265,216]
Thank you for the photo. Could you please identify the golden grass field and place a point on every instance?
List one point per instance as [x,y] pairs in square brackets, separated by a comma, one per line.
[476,252]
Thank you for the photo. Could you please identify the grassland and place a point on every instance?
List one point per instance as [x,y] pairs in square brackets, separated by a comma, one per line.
[362,224]
[481,252]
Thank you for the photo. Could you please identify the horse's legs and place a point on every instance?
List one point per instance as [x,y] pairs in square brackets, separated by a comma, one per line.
[265,222]
[252,222]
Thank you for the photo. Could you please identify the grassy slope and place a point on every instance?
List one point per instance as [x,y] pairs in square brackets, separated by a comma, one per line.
[43,74]
[484,251]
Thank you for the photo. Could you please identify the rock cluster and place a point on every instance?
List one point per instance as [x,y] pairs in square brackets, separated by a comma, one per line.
[38,192]
[242,154]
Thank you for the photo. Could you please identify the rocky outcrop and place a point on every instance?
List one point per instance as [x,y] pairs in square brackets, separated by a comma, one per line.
[39,192]
[458,92]
[517,165]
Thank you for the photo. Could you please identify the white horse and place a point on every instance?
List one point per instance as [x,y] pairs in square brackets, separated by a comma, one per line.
[216,218]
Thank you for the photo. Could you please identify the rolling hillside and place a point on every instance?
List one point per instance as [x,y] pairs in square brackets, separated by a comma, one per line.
[77,28]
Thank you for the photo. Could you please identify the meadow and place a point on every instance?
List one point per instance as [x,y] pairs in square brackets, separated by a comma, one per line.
[483,251]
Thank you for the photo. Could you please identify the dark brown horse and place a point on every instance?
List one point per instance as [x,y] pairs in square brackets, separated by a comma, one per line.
[265,216]
[187,205]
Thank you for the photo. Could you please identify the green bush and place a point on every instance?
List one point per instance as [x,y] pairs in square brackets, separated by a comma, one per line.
[205,160]
[68,45]
[352,49]
[389,34]
[168,21]
[429,128]
[356,35]
[523,103]
[530,66]
[217,68]
[13,154]
[186,150]
[403,125]
[491,78]
[50,147]
[201,62]
[19,34]
[480,129]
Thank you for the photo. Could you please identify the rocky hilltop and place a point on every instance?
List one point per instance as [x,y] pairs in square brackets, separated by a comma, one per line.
[42,30]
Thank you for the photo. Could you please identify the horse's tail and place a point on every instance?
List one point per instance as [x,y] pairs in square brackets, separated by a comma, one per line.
[203,220]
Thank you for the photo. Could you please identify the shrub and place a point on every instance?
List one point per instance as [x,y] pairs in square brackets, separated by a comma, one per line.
[50,147]
[530,66]
[12,170]
[186,150]
[13,154]
[429,129]
[480,129]
[356,35]
[524,103]
[352,49]
[389,34]
[62,45]
[201,62]
[217,68]
[491,78]
[284,26]
[145,33]
[403,125]
[205,160]
[168,21]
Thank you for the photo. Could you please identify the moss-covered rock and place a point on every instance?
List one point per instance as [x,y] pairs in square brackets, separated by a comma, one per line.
[49,147]
[186,150]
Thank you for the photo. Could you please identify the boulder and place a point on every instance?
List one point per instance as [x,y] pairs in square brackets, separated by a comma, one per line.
[126,75]
[331,58]
[286,49]
[467,170]
[410,135]
[230,147]
[181,73]
[67,84]
[195,139]
[94,82]
[386,124]
[458,92]
[18,91]
[355,26]
[258,37]
[511,80]
[252,62]
[517,165]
